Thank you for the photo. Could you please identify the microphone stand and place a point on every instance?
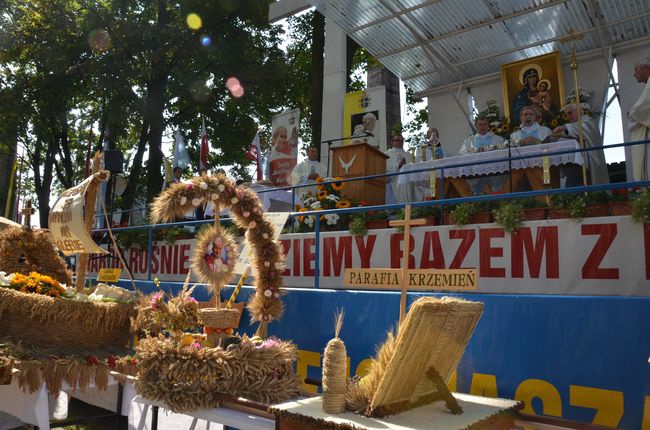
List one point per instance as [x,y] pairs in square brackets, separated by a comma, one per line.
[510,164]
[329,147]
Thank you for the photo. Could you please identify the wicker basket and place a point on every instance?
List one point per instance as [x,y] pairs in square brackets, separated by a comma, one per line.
[220,318]
[45,322]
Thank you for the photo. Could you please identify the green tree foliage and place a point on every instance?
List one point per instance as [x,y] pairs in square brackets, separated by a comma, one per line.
[134,69]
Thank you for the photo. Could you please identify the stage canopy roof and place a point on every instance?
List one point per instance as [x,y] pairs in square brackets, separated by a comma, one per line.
[432,43]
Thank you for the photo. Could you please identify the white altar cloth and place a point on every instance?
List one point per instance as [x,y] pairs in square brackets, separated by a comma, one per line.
[472,169]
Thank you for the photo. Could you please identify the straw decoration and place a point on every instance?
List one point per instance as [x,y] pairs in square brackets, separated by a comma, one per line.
[24,251]
[334,369]
[247,212]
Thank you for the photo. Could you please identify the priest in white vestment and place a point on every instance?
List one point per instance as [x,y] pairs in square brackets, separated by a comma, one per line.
[483,137]
[596,164]
[530,132]
[397,158]
[639,122]
[307,172]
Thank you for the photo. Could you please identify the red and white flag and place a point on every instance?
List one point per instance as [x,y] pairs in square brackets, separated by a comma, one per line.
[254,153]
[203,161]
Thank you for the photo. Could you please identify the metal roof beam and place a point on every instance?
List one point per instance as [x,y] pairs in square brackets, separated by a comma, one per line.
[473,27]
[391,16]
[521,48]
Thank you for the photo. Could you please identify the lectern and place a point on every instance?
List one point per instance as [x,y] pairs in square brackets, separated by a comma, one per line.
[357,160]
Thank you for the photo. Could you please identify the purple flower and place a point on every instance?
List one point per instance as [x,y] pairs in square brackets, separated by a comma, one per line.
[271,342]
[155,299]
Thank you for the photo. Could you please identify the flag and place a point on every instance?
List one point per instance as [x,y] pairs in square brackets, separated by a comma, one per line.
[203,163]
[181,156]
[90,144]
[254,154]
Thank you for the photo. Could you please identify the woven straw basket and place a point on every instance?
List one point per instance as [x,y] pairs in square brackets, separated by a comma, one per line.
[220,318]
[46,322]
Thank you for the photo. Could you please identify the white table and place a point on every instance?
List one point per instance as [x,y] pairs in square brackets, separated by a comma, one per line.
[142,410]
[39,407]
[431,416]
[413,186]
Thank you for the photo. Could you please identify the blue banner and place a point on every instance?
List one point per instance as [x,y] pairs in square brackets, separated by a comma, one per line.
[580,358]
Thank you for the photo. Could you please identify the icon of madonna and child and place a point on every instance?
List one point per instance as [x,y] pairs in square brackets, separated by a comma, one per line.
[217,254]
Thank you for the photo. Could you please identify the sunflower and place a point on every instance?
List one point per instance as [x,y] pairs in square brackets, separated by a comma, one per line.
[322,195]
[337,186]
[505,128]
[554,122]
[494,130]
[343,204]
[319,179]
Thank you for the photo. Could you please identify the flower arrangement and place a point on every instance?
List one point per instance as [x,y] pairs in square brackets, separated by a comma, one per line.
[509,214]
[499,124]
[328,196]
[176,314]
[34,283]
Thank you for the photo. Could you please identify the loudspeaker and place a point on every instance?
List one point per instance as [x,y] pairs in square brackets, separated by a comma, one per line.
[114,161]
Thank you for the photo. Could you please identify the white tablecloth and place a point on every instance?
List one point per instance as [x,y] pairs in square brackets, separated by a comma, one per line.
[472,169]
[39,407]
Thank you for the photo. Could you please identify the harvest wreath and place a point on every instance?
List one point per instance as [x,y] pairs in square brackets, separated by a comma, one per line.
[246,209]
[188,370]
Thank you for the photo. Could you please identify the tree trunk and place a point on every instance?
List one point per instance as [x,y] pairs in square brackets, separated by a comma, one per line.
[7,159]
[155,106]
[130,193]
[43,192]
[316,71]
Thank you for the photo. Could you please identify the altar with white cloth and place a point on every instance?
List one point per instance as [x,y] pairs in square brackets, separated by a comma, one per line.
[414,185]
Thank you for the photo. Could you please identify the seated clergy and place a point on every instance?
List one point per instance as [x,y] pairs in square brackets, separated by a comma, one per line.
[308,171]
[397,159]
[596,163]
[483,137]
[530,132]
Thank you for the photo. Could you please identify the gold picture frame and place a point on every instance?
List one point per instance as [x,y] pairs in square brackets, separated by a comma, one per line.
[514,76]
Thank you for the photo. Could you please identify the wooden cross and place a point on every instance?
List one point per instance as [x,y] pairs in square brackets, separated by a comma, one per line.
[28,211]
[407,222]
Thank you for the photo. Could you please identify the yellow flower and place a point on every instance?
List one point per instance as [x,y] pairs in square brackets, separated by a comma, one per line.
[554,123]
[505,128]
[319,179]
[493,129]
[303,210]
[343,204]
[322,195]
[337,186]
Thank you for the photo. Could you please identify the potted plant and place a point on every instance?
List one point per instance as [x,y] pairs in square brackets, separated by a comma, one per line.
[568,206]
[620,203]
[510,215]
[597,204]
[464,213]
[357,224]
[533,209]
[641,207]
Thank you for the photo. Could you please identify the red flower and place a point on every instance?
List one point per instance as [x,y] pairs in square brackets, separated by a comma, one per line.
[111,361]
[91,360]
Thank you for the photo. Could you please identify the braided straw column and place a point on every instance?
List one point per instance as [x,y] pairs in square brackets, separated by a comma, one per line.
[334,367]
